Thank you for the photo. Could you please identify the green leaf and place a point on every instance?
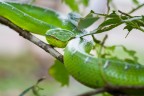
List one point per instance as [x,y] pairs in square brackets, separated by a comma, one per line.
[74,18]
[131,53]
[110,22]
[87,21]
[129,28]
[113,21]
[136,2]
[85,2]
[80,22]
[110,52]
[135,22]
[59,73]
[107,27]
[72,4]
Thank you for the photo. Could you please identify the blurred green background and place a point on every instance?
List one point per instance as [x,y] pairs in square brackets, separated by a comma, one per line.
[23,63]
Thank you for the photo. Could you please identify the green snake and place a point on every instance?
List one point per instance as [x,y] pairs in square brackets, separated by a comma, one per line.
[87,69]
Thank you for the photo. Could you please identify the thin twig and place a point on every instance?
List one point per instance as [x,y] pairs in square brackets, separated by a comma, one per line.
[135,9]
[108,6]
[102,45]
[27,35]
[33,88]
[114,90]
[124,13]
[98,91]
[138,19]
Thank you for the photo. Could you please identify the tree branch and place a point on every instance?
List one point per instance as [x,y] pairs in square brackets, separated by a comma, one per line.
[97,91]
[27,35]
[114,90]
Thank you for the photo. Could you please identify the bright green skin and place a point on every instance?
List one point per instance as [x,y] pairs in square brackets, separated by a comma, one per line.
[36,20]
[90,71]
[95,72]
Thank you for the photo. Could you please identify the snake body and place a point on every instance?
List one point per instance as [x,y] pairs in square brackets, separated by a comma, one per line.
[37,20]
[99,72]
[87,69]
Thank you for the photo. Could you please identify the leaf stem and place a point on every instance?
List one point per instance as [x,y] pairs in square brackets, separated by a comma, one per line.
[102,45]
[135,9]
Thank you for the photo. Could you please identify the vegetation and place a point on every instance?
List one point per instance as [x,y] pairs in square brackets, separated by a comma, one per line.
[60,31]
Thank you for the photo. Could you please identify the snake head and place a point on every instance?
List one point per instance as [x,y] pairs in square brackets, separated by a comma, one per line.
[59,37]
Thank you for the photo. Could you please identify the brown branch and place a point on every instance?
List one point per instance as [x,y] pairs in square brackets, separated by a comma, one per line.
[97,91]
[27,35]
[115,90]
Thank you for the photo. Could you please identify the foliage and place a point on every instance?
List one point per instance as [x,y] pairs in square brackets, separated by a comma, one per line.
[79,24]
[136,2]
[111,21]
[35,89]
[74,4]
[59,72]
